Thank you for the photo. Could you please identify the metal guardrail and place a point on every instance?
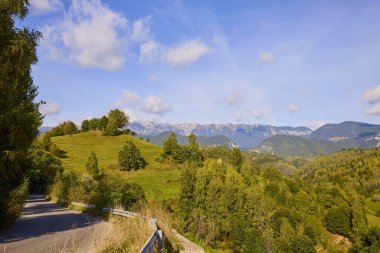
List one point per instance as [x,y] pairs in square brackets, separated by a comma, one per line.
[155,240]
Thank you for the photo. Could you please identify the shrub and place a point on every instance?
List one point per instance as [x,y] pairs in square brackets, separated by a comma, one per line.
[130,195]
[338,220]
[130,157]
[17,198]
[302,244]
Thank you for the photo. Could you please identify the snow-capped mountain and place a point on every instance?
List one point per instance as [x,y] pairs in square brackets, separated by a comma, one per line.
[245,135]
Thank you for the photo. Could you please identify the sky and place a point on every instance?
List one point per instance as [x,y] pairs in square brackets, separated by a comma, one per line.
[283,63]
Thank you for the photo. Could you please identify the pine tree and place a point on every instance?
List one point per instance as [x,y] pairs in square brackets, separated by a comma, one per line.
[237,158]
[170,145]
[92,164]
[130,157]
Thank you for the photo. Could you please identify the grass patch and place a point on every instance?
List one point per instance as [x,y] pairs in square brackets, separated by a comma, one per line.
[374,206]
[373,221]
[158,180]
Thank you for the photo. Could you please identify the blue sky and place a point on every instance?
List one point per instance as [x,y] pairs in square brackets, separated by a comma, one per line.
[297,63]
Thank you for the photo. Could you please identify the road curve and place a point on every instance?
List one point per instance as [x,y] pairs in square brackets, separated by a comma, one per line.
[48,227]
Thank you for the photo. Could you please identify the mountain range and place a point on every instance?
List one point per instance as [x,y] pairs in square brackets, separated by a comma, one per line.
[285,140]
[244,135]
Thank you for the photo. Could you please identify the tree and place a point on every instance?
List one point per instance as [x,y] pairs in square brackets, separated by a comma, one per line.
[130,157]
[66,127]
[19,115]
[338,220]
[187,197]
[195,155]
[85,126]
[69,128]
[116,121]
[170,145]
[93,124]
[92,164]
[103,123]
[237,158]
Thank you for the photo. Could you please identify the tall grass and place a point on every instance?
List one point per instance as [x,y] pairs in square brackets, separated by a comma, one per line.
[130,234]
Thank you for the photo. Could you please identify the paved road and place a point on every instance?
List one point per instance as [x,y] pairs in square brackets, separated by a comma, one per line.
[48,227]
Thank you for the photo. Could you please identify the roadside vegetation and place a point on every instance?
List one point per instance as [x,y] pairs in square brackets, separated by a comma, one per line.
[19,115]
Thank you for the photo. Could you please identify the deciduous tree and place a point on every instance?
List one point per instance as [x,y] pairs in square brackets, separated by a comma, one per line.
[19,115]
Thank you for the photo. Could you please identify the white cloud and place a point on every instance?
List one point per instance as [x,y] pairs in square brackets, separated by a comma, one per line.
[45,6]
[313,125]
[155,105]
[131,113]
[293,108]
[374,110]
[141,30]
[90,35]
[257,114]
[238,117]
[233,99]
[265,57]
[130,97]
[50,108]
[372,95]
[149,51]
[186,53]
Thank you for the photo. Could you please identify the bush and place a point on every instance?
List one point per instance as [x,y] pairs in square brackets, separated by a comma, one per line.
[369,242]
[15,204]
[302,244]
[128,195]
[338,220]
[130,157]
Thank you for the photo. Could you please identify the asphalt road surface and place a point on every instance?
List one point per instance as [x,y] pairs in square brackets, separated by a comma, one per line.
[48,227]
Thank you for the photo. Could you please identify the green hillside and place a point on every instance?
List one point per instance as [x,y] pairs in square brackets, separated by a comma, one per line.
[157,179]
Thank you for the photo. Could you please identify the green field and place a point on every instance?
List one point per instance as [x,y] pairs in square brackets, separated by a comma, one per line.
[159,180]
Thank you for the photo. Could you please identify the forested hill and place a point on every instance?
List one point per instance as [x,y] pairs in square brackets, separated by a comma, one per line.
[216,140]
[284,145]
[357,168]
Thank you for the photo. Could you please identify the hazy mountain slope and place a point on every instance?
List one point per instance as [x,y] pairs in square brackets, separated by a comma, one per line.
[347,130]
[217,140]
[244,135]
[297,146]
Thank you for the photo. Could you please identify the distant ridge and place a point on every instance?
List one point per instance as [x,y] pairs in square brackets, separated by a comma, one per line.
[346,130]
[244,135]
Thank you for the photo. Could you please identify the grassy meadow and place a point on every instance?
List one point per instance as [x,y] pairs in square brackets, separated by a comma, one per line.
[159,180]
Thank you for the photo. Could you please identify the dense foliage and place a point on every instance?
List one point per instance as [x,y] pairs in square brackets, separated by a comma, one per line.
[130,157]
[180,154]
[19,115]
[117,120]
[257,206]
[65,128]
